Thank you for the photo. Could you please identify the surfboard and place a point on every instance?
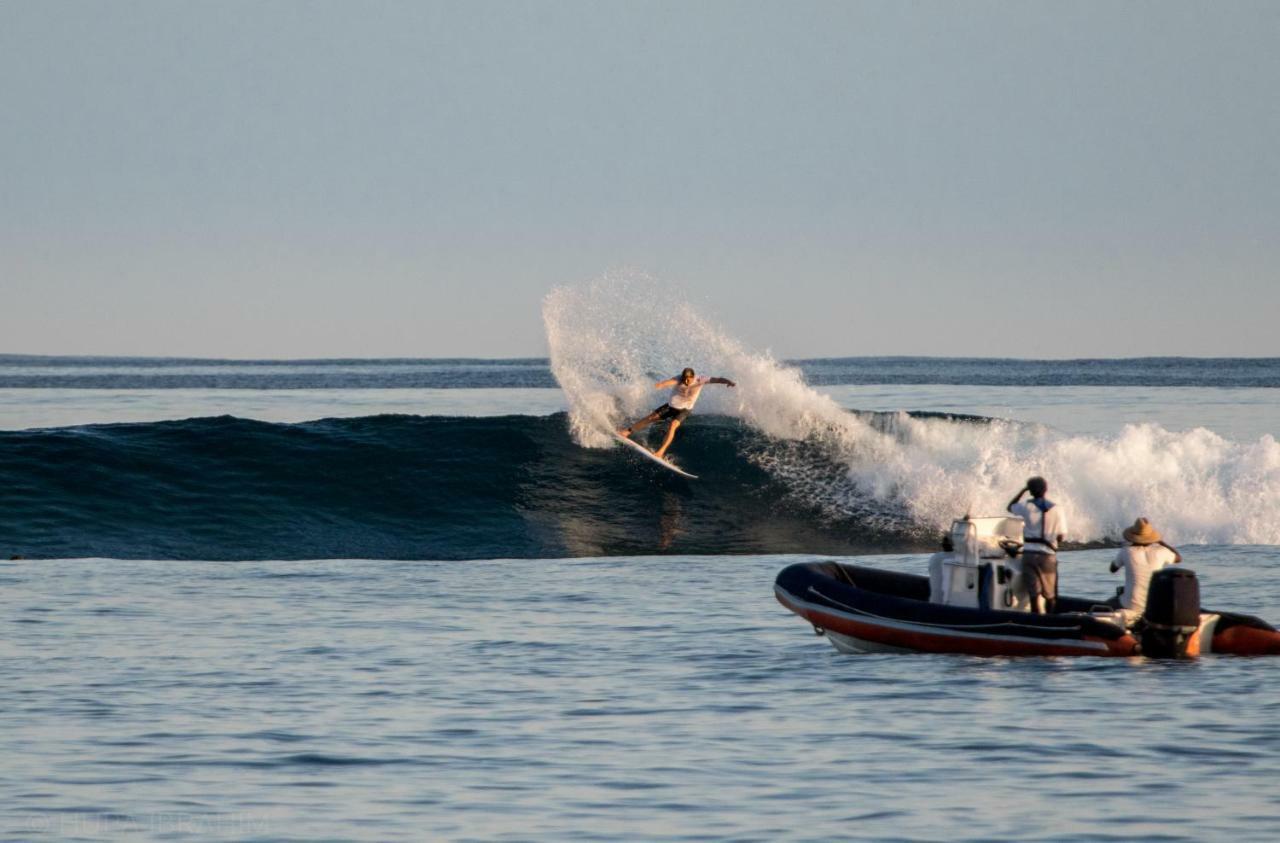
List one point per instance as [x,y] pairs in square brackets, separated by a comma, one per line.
[652,457]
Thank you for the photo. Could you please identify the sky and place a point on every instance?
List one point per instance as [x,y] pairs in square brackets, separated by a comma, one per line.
[290,179]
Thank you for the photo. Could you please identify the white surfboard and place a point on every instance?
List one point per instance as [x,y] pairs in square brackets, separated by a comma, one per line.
[650,455]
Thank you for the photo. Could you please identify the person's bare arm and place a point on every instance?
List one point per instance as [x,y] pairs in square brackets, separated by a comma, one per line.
[1177,557]
[724,381]
[667,384]
[1016,498]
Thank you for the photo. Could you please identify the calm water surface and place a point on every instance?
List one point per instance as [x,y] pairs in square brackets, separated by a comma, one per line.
[658,698]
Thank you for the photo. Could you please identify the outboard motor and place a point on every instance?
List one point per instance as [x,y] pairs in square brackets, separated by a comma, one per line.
[1172,615]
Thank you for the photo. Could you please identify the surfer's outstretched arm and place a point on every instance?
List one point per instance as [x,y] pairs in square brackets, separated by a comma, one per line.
[667,384]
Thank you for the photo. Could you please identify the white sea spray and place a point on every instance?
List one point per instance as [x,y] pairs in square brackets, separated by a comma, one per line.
[612,338]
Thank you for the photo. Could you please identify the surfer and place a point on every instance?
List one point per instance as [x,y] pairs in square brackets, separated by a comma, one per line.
[684,394]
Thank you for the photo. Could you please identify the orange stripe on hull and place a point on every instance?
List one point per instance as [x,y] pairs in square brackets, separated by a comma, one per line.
[1247,641]
[931,642]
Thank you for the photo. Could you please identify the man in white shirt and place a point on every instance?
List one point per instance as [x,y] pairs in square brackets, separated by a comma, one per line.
[1044,526]
[1145,555]
[684,394]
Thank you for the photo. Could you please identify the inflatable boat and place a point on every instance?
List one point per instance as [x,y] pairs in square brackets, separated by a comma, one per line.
[973,602]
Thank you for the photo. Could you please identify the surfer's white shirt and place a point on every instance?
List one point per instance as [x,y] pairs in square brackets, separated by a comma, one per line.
[1139,563]
[1034,533]
[683,396]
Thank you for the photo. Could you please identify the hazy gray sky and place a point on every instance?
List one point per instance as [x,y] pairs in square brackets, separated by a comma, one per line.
[287,179]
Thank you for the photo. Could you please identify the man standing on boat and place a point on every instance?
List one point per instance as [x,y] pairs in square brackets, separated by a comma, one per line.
[684,394]
[1044,526]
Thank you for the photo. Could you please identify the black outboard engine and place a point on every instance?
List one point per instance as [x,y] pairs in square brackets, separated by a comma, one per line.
[1172,615]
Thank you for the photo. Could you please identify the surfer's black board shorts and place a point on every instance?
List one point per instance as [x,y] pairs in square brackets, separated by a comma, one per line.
[668,413]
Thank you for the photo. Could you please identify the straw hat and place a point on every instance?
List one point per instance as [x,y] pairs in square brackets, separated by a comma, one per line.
[1141,532]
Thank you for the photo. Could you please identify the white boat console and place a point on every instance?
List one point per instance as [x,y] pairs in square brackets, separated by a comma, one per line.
[978,571]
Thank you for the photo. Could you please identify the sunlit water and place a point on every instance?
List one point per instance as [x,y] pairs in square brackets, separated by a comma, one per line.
[659,698]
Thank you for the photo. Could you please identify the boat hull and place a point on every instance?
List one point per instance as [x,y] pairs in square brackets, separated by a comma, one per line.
[864,610]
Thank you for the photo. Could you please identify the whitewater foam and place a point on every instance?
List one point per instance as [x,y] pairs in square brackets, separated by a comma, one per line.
[611,339]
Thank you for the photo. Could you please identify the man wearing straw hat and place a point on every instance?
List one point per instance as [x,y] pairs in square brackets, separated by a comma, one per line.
[1145,555]
[1044,525]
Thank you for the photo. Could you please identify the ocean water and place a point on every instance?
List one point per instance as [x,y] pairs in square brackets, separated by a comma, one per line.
[320,601]
[29,371]
[624,698]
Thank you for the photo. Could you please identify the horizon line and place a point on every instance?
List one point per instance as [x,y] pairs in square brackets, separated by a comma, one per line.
[14,356]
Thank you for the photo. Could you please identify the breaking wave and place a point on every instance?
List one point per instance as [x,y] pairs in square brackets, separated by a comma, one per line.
[611,339]
[784,468]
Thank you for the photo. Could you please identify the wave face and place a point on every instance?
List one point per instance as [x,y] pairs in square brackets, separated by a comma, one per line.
[408,487]
[400,487]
